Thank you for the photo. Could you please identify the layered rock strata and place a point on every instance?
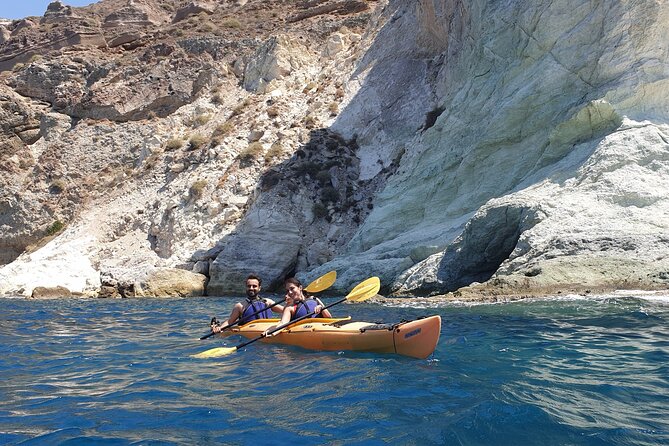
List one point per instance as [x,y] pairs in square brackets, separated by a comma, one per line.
[447,146]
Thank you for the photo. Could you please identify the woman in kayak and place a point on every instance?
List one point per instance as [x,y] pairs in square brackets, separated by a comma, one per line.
[299,304]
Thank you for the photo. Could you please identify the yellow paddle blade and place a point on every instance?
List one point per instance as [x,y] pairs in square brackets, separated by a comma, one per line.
[216,352]
[365,290]
[322,283]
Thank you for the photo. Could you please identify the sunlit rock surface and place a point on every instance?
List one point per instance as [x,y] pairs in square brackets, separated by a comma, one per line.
[547,161]
[493,147]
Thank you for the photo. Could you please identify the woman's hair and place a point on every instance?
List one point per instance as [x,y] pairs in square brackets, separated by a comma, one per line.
[295,282]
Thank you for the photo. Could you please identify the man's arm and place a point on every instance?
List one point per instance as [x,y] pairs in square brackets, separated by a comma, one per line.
[275,308]
[235,314]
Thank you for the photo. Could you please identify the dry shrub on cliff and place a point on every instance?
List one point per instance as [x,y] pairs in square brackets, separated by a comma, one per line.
[240,107]
[329,194]
[310,86]
[273,111]
[223,130]
[274,152]
[309,122]
[197,190]
[209,27]
[251,152]
[220,132]
[230,22]
[323,177]
[197,141]
[333,108]
[302,169]
[55,228]
[151,160]
[217,98]
[320,210]
[174,143]
[58,186]
[200,120]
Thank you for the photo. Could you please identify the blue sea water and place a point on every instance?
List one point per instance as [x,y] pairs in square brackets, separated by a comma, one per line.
[545,372]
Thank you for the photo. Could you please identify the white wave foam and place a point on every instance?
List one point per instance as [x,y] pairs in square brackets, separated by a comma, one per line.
[661,297]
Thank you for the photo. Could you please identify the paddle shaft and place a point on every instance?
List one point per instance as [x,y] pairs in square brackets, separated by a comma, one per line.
[240,319]
[287,324]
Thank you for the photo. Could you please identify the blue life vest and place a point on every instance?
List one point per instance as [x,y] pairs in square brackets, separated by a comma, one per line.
[255,306]
[304,308]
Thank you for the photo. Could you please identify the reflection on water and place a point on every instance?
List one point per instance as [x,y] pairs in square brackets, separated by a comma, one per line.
[567,371]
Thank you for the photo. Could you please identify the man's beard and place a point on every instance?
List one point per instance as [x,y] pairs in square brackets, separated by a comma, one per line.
[252,294]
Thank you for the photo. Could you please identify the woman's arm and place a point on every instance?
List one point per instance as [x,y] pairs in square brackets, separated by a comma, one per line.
[324,311]
[285,318]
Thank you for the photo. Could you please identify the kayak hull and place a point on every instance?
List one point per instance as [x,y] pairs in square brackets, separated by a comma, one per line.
[417,338]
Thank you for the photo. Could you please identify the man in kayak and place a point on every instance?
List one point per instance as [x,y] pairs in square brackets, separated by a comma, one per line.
[299,304]
[254,307]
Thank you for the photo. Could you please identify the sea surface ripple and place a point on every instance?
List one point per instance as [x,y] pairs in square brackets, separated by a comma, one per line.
[545,372]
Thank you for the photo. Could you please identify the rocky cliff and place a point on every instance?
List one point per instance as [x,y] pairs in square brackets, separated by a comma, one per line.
[486,147]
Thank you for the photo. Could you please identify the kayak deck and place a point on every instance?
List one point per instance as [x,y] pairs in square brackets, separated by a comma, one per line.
[417,338]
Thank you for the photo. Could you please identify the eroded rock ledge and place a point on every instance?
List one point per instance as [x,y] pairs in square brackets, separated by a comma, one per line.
[434,143]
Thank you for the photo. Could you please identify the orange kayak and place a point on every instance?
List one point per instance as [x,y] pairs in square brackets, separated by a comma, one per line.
[417,338]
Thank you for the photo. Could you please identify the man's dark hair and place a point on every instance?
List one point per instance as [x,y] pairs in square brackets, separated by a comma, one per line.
[254,277]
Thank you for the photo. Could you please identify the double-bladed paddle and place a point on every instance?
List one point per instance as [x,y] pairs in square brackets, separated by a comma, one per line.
[361,292]
[322,283]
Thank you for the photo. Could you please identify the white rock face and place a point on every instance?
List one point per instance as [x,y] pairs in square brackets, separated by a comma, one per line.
[275,59]
[548,160]
[59,263]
